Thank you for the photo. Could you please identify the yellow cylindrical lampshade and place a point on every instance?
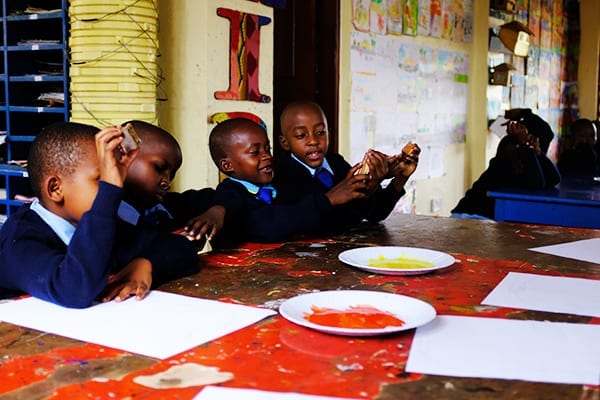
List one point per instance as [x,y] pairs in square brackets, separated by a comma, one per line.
[114,72]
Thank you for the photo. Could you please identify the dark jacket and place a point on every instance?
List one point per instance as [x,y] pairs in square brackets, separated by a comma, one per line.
[511,167]
[247,218]
[293,180]
[34,260]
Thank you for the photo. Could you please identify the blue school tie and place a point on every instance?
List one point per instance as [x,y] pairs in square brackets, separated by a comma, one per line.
[325,177]
[265,194]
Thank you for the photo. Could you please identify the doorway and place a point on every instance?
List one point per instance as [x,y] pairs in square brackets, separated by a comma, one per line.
[306,60]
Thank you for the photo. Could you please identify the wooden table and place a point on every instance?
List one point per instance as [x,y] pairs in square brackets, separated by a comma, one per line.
[574,203]
[278,355]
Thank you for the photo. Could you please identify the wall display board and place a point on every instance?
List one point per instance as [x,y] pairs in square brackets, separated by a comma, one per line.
[403,89]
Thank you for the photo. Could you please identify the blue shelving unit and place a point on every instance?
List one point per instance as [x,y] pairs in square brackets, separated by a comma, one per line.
[34,63]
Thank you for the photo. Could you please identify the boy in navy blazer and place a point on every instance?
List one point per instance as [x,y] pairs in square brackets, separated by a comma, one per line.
[147,199]
[300,170]
[241,150]
[67,246]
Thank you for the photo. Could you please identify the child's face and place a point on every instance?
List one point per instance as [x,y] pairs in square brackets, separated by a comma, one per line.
[80,188]
[249,156]
[150,175]
[305,134]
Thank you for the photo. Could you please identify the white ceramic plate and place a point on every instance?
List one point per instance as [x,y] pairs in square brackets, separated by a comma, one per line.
[413,312]
[360,257]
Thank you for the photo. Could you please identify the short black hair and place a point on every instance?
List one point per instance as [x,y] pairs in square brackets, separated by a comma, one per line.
[147,130]
[581,125]
[58,148]
[219,139]
[293,107]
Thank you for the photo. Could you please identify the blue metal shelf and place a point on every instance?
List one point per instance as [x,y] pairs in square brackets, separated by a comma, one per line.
[21,138]
[33,17]
[36,78]
[33,109]
[13,170]
[24,77]
[36,47]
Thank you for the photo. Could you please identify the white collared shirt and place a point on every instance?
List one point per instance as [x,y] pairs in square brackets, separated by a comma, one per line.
[312,170]
[63,228]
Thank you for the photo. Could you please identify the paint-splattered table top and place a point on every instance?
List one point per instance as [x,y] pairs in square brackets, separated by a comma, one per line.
[278,355]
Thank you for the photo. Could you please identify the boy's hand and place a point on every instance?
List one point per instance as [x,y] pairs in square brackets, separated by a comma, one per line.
[352,187]
[113,164]
[517,131]
[133,280]
[208,223]
[403,165]
[522,137]
[378,169]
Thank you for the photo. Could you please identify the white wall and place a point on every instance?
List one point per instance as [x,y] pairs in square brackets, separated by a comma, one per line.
[195,61]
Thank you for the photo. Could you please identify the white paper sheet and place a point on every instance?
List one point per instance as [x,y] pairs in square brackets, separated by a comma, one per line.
[160,326]
[554,352]
[498,127]
[224,393]
[583,250]
[547,293]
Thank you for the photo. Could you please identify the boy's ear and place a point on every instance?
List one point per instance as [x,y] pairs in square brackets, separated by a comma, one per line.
[52,188]
[226,165]
[284,143]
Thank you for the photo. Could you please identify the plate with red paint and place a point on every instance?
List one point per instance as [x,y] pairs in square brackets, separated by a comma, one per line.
[357,312]
[396,260]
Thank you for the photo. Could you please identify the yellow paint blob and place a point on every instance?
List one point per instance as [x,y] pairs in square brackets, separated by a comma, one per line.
[399,263]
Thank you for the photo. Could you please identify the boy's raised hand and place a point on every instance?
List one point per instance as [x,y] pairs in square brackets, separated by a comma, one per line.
[207,223]
[113,164]
[133,280]
[403,165]
[354,186]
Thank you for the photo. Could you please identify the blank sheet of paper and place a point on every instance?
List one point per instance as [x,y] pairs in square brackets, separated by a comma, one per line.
[554,352]
[583,250]
[224,393]
[547,293]
[161,325]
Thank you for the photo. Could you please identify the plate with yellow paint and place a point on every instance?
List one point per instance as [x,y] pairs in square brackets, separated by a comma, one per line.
[395,260]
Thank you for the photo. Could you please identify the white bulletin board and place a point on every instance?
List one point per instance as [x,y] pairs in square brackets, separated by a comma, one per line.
[403,91]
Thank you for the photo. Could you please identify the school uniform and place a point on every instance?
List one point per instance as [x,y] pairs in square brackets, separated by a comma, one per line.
[43,255]
[173,213]
[295,179]
[251,217]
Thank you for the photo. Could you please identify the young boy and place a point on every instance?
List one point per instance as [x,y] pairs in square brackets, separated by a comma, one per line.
[241,150]
[65,246]
[305,140]
[147,200]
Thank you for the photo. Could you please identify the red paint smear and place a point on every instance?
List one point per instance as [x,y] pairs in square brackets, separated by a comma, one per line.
[21,371]
[355,317]
[297,274]
[245,256]
[459,289]
[280,356]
